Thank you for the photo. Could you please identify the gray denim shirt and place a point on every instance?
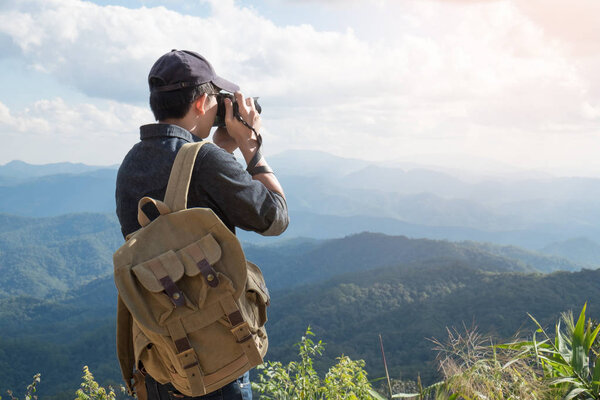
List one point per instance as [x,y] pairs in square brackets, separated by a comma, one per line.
[218,182]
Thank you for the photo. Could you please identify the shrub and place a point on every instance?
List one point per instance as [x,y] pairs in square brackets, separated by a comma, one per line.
[298,380]
[31,389]
[91,390]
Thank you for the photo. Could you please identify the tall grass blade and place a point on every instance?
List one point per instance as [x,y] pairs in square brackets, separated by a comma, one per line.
[375,395]
[565,380]
[591,338]
[579,359]
[561,345]
[596,377]
[579,328]
[574,393]
[387,375]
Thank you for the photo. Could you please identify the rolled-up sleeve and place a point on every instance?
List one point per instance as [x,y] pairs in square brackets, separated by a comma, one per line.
[244,202]
[281,220]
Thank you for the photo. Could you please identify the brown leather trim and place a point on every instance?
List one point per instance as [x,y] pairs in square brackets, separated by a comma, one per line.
[182,344]
[245,339]
[175,295]
[208,272]
[235,318]
[192,365]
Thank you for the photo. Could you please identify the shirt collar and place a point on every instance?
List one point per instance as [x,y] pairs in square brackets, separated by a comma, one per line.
[168,130]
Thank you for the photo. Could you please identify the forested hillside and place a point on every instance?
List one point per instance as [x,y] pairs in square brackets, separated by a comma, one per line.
[411,303]
[44,256]
[407,299]
[299,262]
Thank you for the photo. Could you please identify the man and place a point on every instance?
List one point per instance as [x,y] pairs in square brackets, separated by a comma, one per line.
[183,98]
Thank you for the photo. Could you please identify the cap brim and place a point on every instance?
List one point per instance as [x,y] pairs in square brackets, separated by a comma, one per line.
[224,84]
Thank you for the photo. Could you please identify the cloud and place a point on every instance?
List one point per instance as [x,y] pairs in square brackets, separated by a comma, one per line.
[52,130]
[432,76]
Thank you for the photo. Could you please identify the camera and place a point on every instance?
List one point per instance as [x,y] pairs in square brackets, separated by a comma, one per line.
[220,118]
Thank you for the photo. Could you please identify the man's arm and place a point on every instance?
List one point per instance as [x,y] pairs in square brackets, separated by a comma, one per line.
[243,201]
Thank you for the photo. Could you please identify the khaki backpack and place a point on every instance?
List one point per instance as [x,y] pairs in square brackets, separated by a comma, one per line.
[191,309]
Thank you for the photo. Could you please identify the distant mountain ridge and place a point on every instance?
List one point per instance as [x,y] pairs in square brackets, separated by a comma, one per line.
[294,264]
[17,171]
[58,194]
[581,250]
[349,196]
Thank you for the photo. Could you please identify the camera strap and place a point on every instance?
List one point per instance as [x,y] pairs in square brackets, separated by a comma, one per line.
[252,168]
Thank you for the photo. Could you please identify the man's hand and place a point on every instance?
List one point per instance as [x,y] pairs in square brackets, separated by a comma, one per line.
[238,131]
[246,139]
[222,139]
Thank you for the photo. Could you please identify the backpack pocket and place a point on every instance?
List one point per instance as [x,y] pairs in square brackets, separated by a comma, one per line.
[180,278]
[147,356]
[257,296]
[199,260]
[160,278]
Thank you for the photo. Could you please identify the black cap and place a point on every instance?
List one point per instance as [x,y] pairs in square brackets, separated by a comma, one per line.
[182,68]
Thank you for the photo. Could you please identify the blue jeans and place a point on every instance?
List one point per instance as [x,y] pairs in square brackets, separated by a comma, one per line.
[239,389]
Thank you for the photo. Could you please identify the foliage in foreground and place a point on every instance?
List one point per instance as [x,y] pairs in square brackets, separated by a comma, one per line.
[298,380]
[91,390]
[543,368]
[31,389]
[538,369]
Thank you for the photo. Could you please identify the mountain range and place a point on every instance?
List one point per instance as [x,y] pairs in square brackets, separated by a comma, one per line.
[331,196]
[405,251]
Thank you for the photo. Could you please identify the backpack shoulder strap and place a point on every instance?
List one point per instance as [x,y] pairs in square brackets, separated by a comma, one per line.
[125,344]
[181,173]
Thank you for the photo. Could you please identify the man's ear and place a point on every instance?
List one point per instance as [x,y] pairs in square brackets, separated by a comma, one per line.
[200,103]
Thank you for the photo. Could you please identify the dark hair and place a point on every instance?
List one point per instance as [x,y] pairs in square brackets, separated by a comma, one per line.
[176,103]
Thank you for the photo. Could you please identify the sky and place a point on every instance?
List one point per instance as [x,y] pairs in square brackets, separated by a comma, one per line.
[465,83]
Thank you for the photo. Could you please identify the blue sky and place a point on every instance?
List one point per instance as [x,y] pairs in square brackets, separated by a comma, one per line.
[463,83]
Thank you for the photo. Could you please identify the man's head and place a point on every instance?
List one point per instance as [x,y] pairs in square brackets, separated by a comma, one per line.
[177,79]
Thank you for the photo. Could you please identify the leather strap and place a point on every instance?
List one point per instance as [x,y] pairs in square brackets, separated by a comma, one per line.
[175,294]
[149,209]
[181,174]
[187,357]
[125,343]
[252,168]
[139,385]
[207,271]
[241,330]
[263,169]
